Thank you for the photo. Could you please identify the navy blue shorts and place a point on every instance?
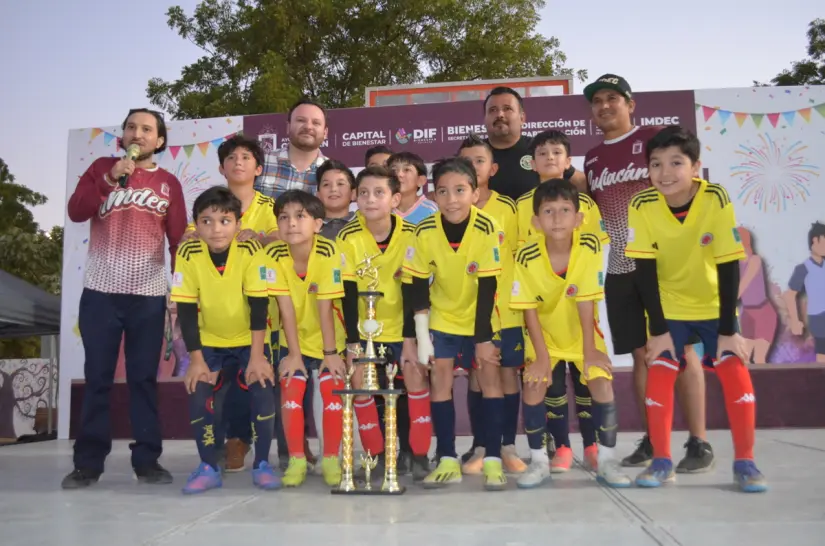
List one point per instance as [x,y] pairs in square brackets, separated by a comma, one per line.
[392,350]
[511,344]
[218,358]
[460,348]
[686,332]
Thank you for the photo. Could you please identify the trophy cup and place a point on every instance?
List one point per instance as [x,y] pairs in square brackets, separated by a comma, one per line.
[370,328]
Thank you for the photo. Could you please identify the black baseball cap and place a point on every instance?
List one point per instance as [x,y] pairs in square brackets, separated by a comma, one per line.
[608,81]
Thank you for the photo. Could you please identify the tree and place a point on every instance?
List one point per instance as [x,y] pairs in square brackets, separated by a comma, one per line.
[810,71]
[262,55]
[26,251]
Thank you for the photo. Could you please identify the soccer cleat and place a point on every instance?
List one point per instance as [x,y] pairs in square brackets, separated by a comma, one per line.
[265,477]
[748,477]
[698,459]
[610,473]
[511,461]
[80,479]
[447,472]
[468,454]
[420,467]
[591,458]
[153,474]
[475,464]
[236,451]
[494,478]
[202,479]
[562,460]
[643,454]
[550,445]
[296,472]
[403,464]
[331,470]
[536,474]
[659,472]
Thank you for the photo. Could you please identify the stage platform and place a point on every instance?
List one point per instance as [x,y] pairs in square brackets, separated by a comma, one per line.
[699,510]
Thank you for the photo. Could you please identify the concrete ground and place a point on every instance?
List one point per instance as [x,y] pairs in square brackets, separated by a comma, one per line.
[699,510]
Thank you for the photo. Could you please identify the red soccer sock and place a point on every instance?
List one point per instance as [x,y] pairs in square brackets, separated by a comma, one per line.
[739,402]
[333,414]
[292,399]
[421,424]
[368,426]
[661,380]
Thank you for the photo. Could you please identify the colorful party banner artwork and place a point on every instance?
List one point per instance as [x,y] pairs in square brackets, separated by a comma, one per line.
[773,117]
[174,150]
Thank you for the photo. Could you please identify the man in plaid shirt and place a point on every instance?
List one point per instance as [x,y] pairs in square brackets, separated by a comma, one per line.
[293,167]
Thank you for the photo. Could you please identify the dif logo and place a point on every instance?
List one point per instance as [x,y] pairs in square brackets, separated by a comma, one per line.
[418,136]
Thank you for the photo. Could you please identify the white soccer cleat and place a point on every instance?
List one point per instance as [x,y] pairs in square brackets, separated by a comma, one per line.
[536,474]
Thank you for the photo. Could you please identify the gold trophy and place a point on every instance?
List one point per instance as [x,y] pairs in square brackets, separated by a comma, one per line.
[370,328]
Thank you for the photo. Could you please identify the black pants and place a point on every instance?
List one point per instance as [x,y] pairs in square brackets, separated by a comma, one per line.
[105,319]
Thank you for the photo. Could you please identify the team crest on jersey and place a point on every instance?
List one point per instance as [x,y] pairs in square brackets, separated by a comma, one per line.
[472,268]
[572,290]
[398,273]
[500,237]
[525,162]
[637,147]
[271,276]
[313,288]
[706,239]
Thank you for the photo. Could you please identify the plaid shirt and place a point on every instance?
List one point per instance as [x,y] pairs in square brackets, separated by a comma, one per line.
[280,175]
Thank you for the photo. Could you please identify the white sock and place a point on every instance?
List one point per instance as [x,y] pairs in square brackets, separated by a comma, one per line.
[606,454]
[539,455]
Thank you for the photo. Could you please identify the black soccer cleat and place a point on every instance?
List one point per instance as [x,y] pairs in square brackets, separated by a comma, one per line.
[643,454]
[153,474]
[699,457]
[80,479]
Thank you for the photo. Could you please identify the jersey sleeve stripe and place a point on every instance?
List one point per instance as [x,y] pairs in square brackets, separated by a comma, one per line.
[507,201]
[638,253]
[643,198]
[250,292]
[719,192]
[334,293]
[178,297]
[523,304]
[278,291]
[494,270]
[738,254]
[420,274]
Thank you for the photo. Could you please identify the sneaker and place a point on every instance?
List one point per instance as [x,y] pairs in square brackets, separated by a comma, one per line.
[469,454]
[657,474]
[698,459]
[312,460]
[283,462]
[536,474]
[494,478]
[562,460]
[265,477]
[550,445]
[331,470]
[591,458]
[202,479]
[511,461]
[610,473]
[153,474]
[446,473]
[643,454]
[403,464]
[80,479]
[236,451]
[474,464]
[420,467]
[296,472]
[748,477]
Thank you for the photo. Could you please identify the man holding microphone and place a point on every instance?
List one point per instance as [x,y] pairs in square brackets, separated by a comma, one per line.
[133,205]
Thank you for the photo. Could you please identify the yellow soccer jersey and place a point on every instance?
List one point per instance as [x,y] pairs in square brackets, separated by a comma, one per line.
[355,241]
[503,211]
[686,253]
[323,281]
[555,298]
[259,217]
[592,222]
[454,289]
[222,298]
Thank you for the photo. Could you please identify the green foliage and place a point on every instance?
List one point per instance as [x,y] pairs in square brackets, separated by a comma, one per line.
[810,71]
[26,251]
[262,55]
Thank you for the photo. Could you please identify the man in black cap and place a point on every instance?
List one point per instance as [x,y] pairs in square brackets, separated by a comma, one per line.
[616,170]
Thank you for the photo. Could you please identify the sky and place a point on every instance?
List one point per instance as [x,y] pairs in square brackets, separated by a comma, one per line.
[85,63]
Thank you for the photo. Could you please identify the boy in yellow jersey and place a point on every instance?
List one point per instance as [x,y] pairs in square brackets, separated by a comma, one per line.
[503,210]
[551,159]
[459,247]
[558,283]
[220,287]
[376,231]
[241,160]
[305,276]
[682,233]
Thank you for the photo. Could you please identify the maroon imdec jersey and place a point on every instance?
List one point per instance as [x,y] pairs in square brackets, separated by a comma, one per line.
[616,171]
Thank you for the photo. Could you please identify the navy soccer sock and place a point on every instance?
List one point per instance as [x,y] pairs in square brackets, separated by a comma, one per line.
[202,419]
[493,414]
[263,419]
[444,425]
[512,402]
[476,420]
[534,425]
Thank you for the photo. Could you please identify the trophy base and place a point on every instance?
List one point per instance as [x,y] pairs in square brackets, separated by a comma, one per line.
[367,392]
[400,491]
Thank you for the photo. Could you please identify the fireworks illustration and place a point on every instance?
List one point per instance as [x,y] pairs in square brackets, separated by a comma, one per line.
[194,182]
[773,175]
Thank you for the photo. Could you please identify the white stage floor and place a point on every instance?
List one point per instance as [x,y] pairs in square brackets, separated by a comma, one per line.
[699,510]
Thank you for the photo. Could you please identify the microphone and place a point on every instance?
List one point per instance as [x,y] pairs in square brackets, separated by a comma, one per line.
[132,152]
